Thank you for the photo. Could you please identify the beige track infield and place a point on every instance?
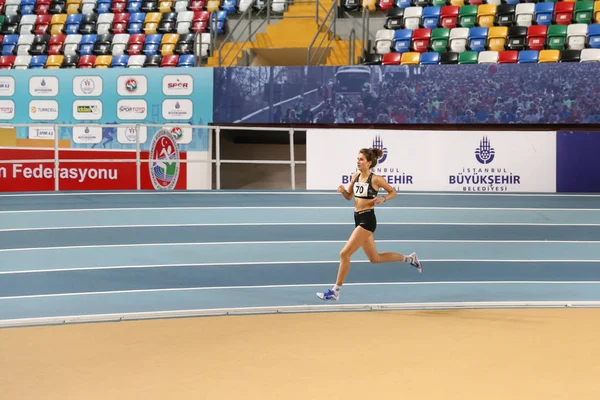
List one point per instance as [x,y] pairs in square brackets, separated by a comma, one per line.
[528,354]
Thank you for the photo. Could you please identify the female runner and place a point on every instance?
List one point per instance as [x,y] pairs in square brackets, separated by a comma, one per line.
[365,185]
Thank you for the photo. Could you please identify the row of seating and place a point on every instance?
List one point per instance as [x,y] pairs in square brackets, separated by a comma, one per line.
[106,44]
[51,7]
[488,15]
[485,57]
[92,61]
[535,37]
[386,5]
[151,23]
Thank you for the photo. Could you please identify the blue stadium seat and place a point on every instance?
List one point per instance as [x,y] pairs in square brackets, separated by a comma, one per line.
[103,6]
[593,36]
[528,56]
[38,62]
[221,21]
[431,17]
[27,7]
[402,38]
[478,38]
[543,13]
[186,60]
[72,24]
[119,61]
[9,44]
[151,44]
[86,46]
[430,58]
[134,6]
[136,23]
[403,3]
[229,6]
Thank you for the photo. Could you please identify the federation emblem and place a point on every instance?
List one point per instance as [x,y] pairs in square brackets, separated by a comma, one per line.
[164,167]
[485,152]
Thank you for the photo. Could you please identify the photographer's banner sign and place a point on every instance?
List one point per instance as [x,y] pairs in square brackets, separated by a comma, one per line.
[456,161]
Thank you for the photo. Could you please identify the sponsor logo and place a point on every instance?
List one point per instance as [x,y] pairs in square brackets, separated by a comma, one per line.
[43,86]
[177,109]
[485,179]
[132,85]
[7,86]
[178,84]
[7,109]
[43,109]
[132,109]
[41,132]
[164,165]
[126,134]
[87,86]
[87,135]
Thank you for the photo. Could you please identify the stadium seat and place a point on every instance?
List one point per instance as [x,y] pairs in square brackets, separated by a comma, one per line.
[449,17]
[120,23]
[42,24]
[583,12]
[24,44]
[383,41]
[72,23]
[576,36]
[57,24]
[543,13]
[86,46]
[467,16]
[391,59]
[557,35]
[486,15]
[230,6]
[136,22]
[87,26]
[153,61]
[9,44]
[103,44]
[536,37]
[27,24]
[508,57]
[39,46]
[402,40]
[488,57]
[431,17]
[597,11]
[516,38]
[119,44]
[430,58]
[394,19]
[410,58]
[524,13]
[449,57]
[570,56]
[86,61]
[477,38]
[186,60]
[185,43]
[528,56]
[505,15]
[439,40]
[136,61]
[54,61]
[71,45]
[103,61]
[38,62]
[458,40]
[55,45]
[588,55]
[73,7]
[119,61]
[70,61]
[168,23]
[412,17]
[22,62]
[593,36]
[135,44]
[497,38]
[105,22]
[6,62]
[168,43]
[549,56]
[468,57]
[563,12]
[420,40]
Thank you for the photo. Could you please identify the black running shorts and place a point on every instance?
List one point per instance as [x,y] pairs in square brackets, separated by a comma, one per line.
[366,219]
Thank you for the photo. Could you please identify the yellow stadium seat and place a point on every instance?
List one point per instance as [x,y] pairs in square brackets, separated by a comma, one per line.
[213,5]
[370,4]
[497,37]
[597,12]
[410,58]
[103,62]
[54,61]
[167,43]
[73,6]
[57,24]
[165,6]
[548,56]
[458,3]
[151,22]
[486,13]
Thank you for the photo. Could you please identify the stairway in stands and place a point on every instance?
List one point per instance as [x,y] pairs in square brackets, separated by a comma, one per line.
[296,30]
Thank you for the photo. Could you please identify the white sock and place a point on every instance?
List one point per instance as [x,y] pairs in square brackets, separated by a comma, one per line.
[408,259]
[336,288]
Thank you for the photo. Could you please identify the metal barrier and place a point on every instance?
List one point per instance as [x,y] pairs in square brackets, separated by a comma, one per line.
[215,159]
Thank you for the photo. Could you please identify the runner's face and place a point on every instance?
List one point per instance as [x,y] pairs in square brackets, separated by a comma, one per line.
[361,162]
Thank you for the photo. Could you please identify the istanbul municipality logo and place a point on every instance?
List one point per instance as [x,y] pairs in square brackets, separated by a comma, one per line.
[484,153]
[378,144]
[164,167]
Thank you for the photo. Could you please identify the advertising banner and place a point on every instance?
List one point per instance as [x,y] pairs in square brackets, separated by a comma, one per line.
[464,161]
